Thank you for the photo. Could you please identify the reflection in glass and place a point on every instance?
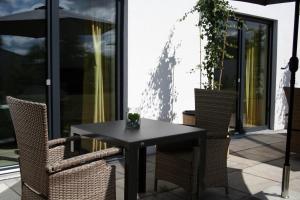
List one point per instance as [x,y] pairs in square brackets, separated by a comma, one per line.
[22,63]
[229,77]
[88,67]
[231,60]
[256,61]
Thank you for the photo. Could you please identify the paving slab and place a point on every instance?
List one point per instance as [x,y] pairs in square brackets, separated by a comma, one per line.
[254,171]
[248,183]
[255,140]
[14,184]
[7,194]
[274,193]
[240,163]
[260,154]
[266,171]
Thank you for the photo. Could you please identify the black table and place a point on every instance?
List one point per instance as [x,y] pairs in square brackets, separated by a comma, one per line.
[135,141]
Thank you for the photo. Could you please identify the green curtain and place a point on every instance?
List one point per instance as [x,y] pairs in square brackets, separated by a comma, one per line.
[250,97]
[93,110]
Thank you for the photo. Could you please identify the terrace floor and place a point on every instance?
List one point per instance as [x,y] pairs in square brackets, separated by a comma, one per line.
[254,170]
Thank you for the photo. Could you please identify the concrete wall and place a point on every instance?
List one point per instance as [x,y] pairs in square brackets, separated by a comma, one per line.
[162,51]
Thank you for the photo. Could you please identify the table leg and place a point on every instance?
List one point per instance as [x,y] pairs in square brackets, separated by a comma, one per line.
[142,169]
[131,173]
[76,145]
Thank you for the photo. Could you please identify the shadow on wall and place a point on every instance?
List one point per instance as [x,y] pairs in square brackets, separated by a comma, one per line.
[160,95]
[282,109]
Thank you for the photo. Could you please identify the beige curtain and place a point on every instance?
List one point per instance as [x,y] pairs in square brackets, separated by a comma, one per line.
[93,110]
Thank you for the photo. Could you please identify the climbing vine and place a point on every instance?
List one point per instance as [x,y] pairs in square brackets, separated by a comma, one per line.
[213,23]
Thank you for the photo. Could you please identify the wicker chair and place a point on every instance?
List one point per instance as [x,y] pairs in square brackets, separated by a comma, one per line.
[295,142]
[47,169]
[179,163]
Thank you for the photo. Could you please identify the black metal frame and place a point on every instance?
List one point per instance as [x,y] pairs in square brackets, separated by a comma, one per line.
[53,68]
[241,71]
[120,59]
[53,65]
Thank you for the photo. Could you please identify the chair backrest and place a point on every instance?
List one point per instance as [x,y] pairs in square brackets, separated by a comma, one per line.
[213,110]
[31,128]
[296,114]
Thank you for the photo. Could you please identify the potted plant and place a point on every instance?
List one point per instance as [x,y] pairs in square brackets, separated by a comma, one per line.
[213,25]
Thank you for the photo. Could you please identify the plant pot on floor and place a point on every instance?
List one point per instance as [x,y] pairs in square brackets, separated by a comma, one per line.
[189,117]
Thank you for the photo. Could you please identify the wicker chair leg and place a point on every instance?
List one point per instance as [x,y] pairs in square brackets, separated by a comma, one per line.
[155,184]
[226,190]
[226,187]
[194,197]
[200,191]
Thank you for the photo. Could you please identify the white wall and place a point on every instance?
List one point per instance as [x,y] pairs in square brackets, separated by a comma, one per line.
[162,51]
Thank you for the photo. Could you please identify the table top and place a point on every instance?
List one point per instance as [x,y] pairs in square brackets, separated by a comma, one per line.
[150,132]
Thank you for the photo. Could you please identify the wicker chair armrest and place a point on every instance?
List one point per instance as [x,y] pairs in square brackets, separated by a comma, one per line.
[62,141]
[95,180]
[80,160]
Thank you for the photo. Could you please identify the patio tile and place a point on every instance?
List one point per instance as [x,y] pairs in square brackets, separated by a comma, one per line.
[242,144]
[295,185]
[163,186]
[266,138]
[7,194]
[274,193]
[14,184]
[163,196]
[295,166]
[266,171]
[119,175]
[260,154]
[9,176]
[255,168]
[219,193]
[120,166]
[120,183]
[255,140]
[119,194]
[240,163]
[213,194]
[249,184]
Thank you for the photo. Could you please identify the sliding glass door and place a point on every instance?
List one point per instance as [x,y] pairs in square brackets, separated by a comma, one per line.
[23,65]
[65,53]
[247,71]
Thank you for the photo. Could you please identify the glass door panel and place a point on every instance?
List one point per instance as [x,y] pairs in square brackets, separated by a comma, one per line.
[231,61]
[255,74]
[246,72]
[22,64]
[87,61]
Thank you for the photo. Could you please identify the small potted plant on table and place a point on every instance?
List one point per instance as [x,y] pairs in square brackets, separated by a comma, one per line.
[133,120]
